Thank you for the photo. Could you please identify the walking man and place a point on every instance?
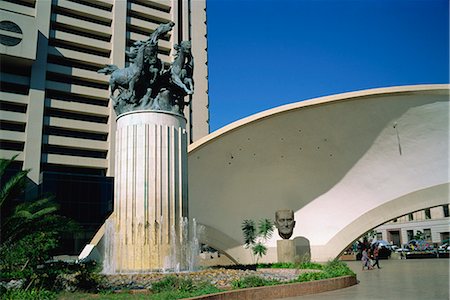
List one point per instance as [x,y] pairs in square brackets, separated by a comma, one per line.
[375,257]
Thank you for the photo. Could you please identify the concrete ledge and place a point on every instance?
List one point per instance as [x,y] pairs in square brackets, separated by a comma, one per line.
[348,257]
[284,290]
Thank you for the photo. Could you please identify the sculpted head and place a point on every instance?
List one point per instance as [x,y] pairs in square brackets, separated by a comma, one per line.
[284,221]
[165,28]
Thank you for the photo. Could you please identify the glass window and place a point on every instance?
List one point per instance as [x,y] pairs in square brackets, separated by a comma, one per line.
[445,208]
[410,234]
[410,217]
[427,234]
[427,214]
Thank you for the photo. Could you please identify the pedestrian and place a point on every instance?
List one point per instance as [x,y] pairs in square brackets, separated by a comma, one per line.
[365,260]
[375,257]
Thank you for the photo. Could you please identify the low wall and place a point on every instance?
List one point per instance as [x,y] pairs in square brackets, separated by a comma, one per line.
[284,290]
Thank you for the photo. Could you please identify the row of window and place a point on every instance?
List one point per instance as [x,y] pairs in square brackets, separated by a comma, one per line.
[427,213]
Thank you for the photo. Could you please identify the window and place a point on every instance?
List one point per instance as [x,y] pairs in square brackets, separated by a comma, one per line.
[445,208]
[410,234]
[410,217]
[427,214]
[379,236]
[427,234]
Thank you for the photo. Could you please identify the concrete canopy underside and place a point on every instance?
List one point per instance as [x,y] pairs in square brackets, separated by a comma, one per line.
[344,163]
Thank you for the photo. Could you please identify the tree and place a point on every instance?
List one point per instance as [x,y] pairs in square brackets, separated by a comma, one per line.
[419,235]
[30,230]
[255,237]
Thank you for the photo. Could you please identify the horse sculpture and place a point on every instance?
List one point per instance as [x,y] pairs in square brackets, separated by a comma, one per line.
[178,71]
[145,84]
[126,78]
[176,83]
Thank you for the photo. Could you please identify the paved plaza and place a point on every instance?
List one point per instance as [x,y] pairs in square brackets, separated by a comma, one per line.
[397,279]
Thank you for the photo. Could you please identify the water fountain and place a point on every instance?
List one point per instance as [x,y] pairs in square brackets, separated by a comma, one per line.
[148,230]
[183,254]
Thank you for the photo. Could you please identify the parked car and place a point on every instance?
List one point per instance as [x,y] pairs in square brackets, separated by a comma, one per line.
[397,249]
[384,248]
[420,245]
[444,247]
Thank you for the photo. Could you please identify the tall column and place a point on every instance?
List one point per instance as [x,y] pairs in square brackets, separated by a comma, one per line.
[118,43]
[150,190]
[35,109]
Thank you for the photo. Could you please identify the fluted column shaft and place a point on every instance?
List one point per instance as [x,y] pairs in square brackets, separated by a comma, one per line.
[150,188]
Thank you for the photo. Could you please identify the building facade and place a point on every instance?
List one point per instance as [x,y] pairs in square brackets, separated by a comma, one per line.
[433,223]
[55,108]
[55,112]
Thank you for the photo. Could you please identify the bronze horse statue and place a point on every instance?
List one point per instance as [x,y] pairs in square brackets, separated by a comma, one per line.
[178,70]
[126,78]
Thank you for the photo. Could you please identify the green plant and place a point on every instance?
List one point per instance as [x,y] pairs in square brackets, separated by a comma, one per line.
[310,265]
[33,294]
[249,232]
[419,235]
[278,265]
[337,268]
[252,281]
[312,276]
[174,287]
[29,230]
[255,237]
[331,269]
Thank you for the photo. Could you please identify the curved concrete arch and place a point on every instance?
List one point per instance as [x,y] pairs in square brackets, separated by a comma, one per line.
[331,160]
[435,196]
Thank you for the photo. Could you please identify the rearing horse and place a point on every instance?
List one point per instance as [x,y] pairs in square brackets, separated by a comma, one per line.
[126,78]
[176,70]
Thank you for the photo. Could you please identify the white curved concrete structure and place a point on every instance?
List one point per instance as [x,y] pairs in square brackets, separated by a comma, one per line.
[344,163]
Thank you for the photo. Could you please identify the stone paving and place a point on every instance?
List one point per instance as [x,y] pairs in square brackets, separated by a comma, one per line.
[409,279]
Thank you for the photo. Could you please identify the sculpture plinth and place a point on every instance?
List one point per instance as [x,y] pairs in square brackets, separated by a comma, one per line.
[286,251]
[150,191]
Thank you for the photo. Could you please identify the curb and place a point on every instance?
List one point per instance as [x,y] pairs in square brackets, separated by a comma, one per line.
[283,290]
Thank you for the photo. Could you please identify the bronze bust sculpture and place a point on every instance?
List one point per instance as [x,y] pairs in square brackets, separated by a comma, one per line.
[284,221]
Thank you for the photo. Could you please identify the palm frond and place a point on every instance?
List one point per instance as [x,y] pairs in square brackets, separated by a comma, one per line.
[259,250]
[4,164]
[265,228]
[15,183]
[249,232]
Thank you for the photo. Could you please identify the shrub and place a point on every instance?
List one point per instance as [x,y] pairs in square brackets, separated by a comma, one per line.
[310,265]
[252,281]
[312,276]
[65,276]
[173,287]
[336,268]
[29,229]
[332,269]
[168,283]
[278,265]
[20,294]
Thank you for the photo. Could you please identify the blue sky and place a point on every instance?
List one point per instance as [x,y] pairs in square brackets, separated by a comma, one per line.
[266,53]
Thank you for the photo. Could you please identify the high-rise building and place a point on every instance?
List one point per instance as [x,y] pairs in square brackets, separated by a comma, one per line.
[55,111]
[55,108]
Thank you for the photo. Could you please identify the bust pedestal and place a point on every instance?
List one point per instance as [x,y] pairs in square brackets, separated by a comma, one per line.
[286,251]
